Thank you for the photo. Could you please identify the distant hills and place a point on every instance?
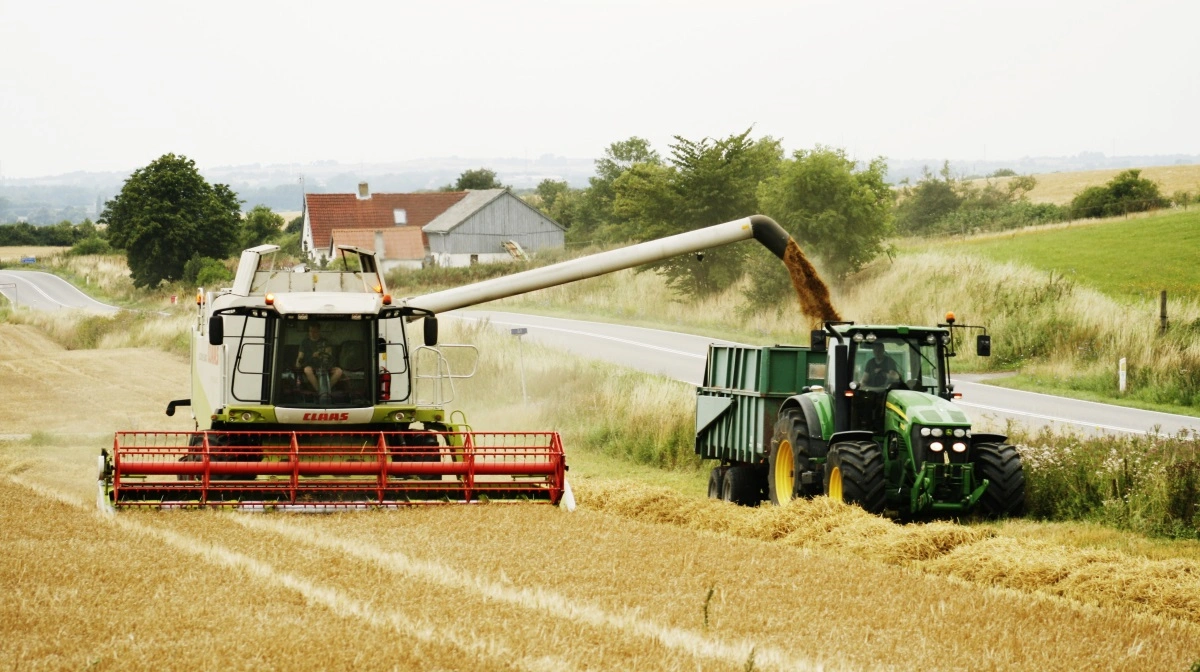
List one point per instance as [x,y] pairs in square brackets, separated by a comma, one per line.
[76,195]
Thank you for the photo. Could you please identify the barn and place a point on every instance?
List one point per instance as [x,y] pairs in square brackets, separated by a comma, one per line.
[450,228]
[490,225]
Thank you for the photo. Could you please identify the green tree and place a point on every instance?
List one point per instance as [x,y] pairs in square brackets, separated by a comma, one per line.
[296,225]
[558,201]
[1127,192]
[706,182]
[261,225]
[934,197]
[477,178]
[839,214]
[1003,172]
[165,213]
[593,215]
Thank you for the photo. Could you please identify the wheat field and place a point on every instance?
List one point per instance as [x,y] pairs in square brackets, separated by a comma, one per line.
[636,578]
[1060,188]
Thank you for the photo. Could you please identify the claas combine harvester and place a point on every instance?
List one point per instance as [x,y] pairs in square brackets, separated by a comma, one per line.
[308,394]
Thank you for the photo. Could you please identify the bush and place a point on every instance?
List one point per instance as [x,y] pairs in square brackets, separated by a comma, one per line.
[1148,484]
[205,272]
[1127,192]
[91,245]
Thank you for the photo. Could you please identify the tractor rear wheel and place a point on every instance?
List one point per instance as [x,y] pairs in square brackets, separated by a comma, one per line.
[716,478]
[740,485]
[1000,464]
[790,431]
[854,474]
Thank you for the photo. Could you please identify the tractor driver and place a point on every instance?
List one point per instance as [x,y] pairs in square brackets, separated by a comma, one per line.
[316,356]
[880,370]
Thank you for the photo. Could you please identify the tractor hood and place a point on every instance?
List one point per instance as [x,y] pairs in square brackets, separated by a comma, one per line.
[919,408]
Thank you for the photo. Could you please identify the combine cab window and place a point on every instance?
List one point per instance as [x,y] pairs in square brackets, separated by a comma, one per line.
[325,363]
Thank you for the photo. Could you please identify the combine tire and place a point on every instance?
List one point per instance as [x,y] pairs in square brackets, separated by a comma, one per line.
[854,474]
[740,486]
[1000,464]
[716,478]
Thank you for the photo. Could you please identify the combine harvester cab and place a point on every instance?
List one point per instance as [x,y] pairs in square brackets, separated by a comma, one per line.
[864,415]
[309,395]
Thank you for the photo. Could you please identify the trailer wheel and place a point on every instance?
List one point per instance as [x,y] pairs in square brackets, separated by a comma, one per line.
[854,474]
[1000,464]
[740,486]
[716,479]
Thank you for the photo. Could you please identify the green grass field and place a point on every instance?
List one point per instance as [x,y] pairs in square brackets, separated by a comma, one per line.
[1123,258]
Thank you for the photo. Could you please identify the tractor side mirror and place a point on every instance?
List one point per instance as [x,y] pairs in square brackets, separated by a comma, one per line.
[216,330]
[816,340]
[430,330]
[983,345]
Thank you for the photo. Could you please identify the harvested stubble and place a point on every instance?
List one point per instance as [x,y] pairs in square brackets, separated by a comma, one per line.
[1169,588]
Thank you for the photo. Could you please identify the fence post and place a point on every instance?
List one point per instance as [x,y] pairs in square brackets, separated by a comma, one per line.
[1162,313]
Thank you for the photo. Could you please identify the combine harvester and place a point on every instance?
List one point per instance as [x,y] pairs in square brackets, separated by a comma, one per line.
[308,394]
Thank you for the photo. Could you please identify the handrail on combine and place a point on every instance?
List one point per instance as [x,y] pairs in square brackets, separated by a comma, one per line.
[333,470]
[443,375]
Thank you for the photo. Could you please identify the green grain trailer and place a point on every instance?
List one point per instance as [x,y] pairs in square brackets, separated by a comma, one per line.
[865,415]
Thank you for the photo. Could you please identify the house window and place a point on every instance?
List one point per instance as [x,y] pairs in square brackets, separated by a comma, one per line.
[400,216]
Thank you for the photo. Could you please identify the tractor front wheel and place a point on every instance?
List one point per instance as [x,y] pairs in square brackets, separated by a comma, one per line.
[1000,464]
[854,474]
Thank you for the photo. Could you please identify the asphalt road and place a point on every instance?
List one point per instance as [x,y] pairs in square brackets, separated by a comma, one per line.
[682,356]
[44,291]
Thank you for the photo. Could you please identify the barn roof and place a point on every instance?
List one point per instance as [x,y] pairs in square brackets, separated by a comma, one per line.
[473,202]
[399,242]
[346,211]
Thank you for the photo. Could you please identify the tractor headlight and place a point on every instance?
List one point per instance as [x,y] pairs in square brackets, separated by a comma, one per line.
[937,431]
[936,446]
[924,431]
[959,447]
[960,433]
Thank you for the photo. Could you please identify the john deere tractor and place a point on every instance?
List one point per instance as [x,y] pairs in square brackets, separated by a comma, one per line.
[865,414]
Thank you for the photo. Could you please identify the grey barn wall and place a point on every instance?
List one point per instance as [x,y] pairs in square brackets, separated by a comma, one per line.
[505,218]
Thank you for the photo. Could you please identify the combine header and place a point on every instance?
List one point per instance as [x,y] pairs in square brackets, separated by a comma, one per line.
[308,394]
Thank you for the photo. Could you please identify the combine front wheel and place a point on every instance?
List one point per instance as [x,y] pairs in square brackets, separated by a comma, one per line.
[1001,465]
[854,474]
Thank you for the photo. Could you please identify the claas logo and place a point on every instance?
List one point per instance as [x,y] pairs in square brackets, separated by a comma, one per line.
[332,417]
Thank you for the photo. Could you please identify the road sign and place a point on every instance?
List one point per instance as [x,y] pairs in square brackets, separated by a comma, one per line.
[28,260]
[519,331]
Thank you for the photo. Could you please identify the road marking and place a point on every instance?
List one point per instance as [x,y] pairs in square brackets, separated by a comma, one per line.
[1053,418]
[1168,416]
[584,333]
[35,288]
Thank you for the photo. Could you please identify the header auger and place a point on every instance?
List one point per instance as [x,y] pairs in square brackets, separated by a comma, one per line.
[307,393]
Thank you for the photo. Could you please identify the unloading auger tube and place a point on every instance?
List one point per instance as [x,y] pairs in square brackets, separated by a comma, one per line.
[271,434]
[760,227]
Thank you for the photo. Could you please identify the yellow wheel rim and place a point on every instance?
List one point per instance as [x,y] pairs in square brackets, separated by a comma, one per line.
[835,485]
[785,476]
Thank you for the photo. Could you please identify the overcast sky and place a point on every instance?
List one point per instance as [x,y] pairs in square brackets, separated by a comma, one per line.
[113,85]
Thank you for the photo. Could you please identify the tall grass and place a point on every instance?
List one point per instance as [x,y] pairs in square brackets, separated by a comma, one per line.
[1147,484]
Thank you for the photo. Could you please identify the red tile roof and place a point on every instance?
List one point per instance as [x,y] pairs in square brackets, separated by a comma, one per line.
[346,211]
[399,242]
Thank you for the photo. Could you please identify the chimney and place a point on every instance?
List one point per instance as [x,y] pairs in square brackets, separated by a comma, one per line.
[379,246]
[364,192]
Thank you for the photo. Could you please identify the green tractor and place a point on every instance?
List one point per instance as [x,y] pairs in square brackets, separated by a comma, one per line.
[865,415]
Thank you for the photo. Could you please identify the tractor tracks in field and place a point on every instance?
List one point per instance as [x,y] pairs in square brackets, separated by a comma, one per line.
[337,574]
